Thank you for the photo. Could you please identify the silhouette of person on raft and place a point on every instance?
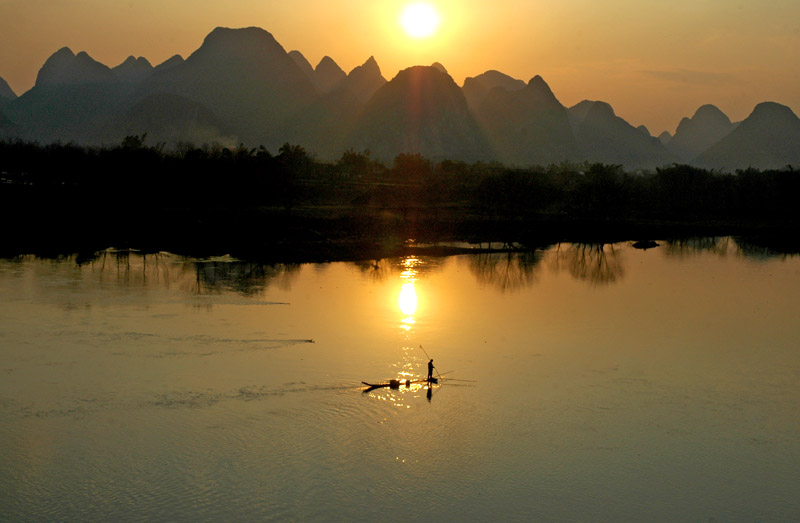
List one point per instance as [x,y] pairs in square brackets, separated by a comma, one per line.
[430,370]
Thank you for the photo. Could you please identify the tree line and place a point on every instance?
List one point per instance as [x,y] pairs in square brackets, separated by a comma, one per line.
[139,186]
[188,176]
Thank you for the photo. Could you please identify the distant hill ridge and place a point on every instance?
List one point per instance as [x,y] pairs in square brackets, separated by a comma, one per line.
[525,125]
[242,86]
[604,137]
[6,93]
[769,139]
[420,111]
[696,134]
[66,68]
[133,70]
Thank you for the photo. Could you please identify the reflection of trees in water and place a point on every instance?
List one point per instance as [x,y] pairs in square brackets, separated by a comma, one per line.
[134,269]
[378,270]
[243,277]
[596,263]
[390,268]
[759,249]
[753,249]
[720,246]
[507,271]
[211,276]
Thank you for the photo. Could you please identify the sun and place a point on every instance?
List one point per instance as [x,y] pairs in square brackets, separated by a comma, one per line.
[420,20]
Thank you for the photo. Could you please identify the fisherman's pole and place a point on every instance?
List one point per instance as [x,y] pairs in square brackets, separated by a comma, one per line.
[429,358]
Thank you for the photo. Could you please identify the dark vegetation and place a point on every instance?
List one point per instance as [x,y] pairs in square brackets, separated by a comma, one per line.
[253,203]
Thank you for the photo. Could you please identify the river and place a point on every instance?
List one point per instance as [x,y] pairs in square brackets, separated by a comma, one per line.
[582,383]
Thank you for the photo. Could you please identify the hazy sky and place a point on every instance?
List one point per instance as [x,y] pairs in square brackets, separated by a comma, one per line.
[655,61]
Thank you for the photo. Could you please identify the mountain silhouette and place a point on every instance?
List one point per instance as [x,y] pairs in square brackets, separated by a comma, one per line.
[243,75]
[364,80]
[327,75]
[7,128]
[694,135]
[6,93]
[440,67]
[241,86]
[169,63]
[66,68]
[767,139]
[476,89]
[604,137]
[302,63]
[133,70]
[527,126]
[72,95]
[578,112]
[325,125]
[421,110]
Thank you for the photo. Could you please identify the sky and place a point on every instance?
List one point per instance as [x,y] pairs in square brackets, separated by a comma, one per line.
[654,61]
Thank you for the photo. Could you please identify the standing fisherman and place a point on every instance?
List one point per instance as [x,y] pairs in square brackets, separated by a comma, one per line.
[430,370]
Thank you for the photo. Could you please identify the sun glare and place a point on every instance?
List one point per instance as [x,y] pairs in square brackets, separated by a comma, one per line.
[420,20]
[408,299]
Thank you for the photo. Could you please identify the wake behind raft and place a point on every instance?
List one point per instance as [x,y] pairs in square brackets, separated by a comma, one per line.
[396,384]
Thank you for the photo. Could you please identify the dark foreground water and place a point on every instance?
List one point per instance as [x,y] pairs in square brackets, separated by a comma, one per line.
[589,383]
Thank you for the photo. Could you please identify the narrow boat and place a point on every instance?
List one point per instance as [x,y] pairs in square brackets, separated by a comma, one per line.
[396,384]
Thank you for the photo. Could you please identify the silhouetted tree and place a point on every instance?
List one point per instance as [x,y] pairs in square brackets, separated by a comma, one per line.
[412,168]
[601,191]
[354,165]
[683,189]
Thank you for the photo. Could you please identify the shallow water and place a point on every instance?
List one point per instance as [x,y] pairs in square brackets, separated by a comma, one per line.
[595,383]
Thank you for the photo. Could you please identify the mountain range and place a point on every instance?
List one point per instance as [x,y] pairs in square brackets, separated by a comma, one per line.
[242,86]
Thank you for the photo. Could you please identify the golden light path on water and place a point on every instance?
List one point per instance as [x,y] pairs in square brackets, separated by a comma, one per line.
[408,301]
[410,368]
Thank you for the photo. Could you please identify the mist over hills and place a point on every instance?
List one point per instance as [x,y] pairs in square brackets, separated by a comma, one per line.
[242,86]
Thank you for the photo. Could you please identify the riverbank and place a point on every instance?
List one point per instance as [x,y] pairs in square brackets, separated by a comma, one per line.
[322,234]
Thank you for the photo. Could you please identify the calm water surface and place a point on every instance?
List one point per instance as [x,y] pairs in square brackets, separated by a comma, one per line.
[592,383]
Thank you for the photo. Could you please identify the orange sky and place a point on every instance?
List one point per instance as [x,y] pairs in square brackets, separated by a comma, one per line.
[654,61]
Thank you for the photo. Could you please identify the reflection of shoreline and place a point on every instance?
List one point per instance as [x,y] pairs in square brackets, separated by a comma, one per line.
[505,269]
[168,271]
[599,264]
[723,246]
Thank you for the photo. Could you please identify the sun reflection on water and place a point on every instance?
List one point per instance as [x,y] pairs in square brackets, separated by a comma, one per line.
[408,370]
[407,301]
